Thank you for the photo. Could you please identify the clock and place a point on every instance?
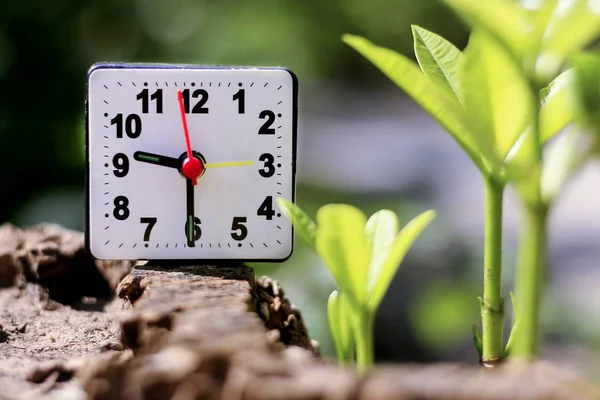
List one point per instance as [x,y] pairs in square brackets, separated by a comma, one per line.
[186,162]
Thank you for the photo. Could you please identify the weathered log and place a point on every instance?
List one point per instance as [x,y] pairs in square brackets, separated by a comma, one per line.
[198,332]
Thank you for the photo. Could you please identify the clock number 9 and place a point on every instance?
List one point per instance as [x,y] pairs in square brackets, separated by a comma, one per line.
[197,230]
[266,129]
[121,212]
[269,167]
[199,107]
[121,164]
[133,125]
[239,231]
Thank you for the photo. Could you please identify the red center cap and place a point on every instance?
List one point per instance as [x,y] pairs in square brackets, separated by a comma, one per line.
[192,168]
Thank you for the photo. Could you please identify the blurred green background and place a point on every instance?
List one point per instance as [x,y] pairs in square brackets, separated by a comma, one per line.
[348,112]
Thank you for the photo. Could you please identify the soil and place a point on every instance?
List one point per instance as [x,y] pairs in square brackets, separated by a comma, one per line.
[76,328]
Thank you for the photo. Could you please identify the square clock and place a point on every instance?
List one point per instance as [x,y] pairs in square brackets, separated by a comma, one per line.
[186,162]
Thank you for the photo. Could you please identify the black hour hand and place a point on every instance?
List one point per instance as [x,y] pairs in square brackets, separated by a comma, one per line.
[157,159]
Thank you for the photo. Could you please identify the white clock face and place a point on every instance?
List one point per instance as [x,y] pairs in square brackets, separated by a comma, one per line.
[143,203]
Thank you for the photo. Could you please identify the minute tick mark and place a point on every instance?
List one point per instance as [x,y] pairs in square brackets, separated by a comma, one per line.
[266,84]
[265,244]
[119,83]
[252,84]
[121,245]
[106,242]
[279,87]
[133,83]
[279,103]
[105,87]
[105,102]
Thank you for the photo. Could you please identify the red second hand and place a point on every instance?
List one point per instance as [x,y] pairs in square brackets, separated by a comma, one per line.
[192,167]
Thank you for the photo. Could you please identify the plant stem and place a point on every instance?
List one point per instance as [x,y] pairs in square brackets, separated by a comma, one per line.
[529,280]
[492,305]
[363,333]
[532,248]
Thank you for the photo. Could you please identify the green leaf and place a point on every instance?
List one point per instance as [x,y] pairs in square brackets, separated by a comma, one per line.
[342,245]
[302,222]
[587,90]
[400,247]
[477,340]
[438,59]
[503,19]
[381,230]
[562,158]
[496,95]
[557,109]
[339,316]
[515,327]
[573,26]
[433,99]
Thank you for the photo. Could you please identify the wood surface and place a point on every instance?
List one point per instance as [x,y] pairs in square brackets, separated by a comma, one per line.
[75,328]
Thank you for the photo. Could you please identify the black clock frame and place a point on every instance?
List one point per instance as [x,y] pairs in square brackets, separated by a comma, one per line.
[180,262]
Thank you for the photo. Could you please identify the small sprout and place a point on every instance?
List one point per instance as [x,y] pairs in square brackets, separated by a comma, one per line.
[363,257]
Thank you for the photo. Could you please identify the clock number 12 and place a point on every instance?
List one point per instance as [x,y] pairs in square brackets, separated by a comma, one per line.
[199,107]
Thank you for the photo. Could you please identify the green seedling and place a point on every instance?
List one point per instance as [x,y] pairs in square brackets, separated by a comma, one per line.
[502,100]
[363,257]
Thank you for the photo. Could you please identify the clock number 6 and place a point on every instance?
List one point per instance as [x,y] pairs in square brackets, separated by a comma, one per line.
[197,230]
[269,167]
[239,230]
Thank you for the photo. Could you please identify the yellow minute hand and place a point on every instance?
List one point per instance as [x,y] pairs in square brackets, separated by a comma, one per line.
[228,164]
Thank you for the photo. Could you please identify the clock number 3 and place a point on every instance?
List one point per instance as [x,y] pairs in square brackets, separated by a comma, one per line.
[269,167]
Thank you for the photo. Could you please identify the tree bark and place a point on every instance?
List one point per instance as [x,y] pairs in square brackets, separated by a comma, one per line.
[172,331]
